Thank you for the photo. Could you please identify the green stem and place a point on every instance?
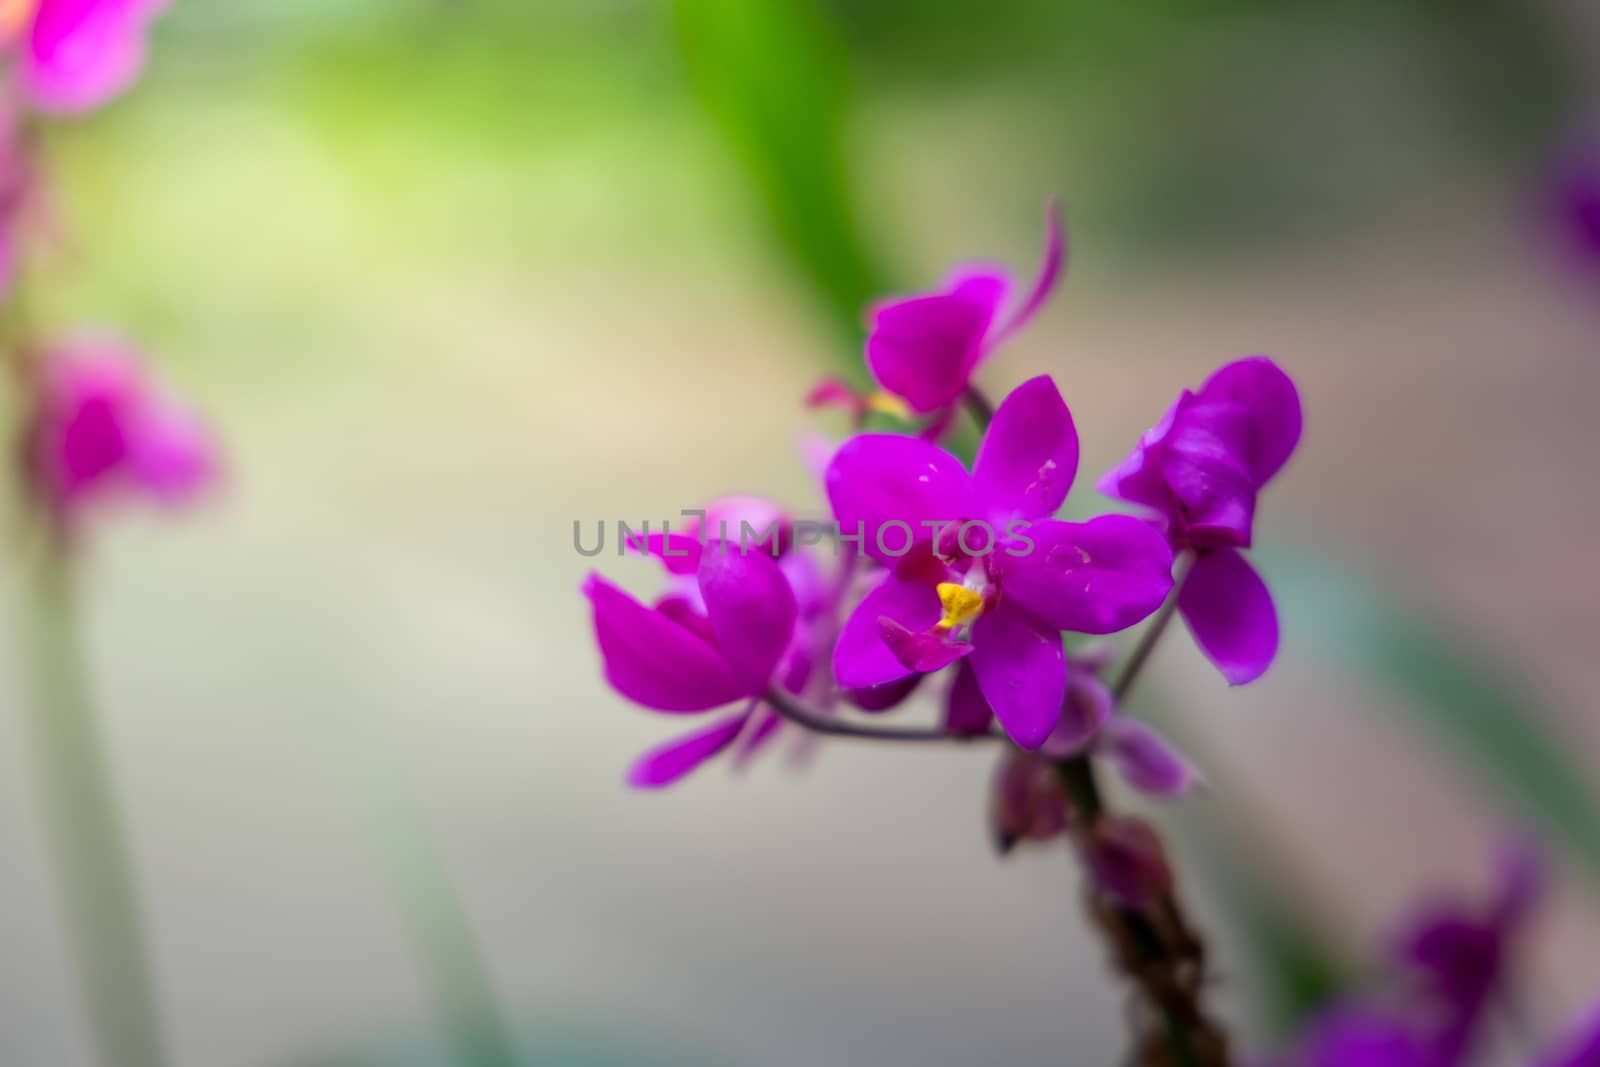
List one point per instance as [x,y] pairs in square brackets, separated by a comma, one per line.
[96,879]
[472,1025]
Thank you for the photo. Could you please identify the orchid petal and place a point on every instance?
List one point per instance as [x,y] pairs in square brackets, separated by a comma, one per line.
[752,609]
[1270,397]
[890,488]
[1087,708]
[675,760]
[1145,759]
[1021,670]
[172,456]
[1204,461]
[678,553]
[922,651]
[1138,478]
[81,53]
[653,660]
[1230,612]
[965,710]
[861,659]
[922,349]
[1094,577]
[1054,258]
[1029,456]
[883,697]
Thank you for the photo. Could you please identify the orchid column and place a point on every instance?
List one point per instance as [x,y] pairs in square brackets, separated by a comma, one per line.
[95,428]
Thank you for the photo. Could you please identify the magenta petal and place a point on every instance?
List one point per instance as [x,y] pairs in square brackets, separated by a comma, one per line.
[1021,670]
[1087,708]
[673,761]
[1094,577]
[752,609]
[980,283]
[884,697]
[653,660]
[1148,761]
[861,659]
[1029,456]
[80,53]
[965,710]
[888,488]
[922,349]
[1230,612]
[921,651]
[678,553]
[1138,478]
[172,456]
[1055,255]
[1270,397]
[1204,461]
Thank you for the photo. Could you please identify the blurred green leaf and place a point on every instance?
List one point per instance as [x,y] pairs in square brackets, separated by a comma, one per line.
[772,74]
[552,1045]
[1455,687]
[1296,965]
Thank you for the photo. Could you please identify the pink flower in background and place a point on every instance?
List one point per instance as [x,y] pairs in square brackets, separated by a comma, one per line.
[103,427]
[74,55]
[1572,204]
[925,348]
[1199,471]
[1452,959]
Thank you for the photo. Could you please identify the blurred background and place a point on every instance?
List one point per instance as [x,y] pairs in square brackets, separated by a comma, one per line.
[451,275]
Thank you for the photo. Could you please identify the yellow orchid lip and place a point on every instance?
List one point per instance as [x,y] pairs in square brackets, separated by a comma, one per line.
[961,605]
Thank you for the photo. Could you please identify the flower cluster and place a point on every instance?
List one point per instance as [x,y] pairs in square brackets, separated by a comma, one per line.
[99,424]
[963,575]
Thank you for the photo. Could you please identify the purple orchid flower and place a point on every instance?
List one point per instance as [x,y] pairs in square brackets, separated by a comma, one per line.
[1453,958]
[102,426]
[737,616]
[924,349]
[1199,471]
[1459,953]
[1572,204]
[977,566]
[77,54]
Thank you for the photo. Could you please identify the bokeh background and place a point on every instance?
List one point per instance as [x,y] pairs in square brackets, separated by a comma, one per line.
[449,276]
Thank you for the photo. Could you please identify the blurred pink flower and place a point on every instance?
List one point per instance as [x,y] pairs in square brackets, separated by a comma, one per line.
[103,426]
[75,55]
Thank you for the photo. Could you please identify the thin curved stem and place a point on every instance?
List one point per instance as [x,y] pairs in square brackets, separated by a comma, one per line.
[1152,633]
[803,714]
